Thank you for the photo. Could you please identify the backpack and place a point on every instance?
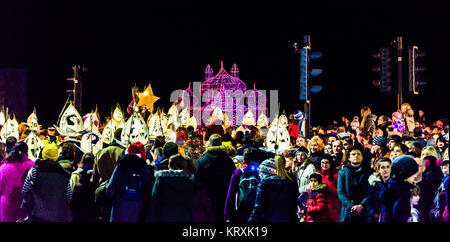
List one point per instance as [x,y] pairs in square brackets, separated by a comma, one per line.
[132,187]
[248,183]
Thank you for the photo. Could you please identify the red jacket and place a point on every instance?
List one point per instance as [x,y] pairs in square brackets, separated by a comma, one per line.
[293,129]
[316,205]
[333,202]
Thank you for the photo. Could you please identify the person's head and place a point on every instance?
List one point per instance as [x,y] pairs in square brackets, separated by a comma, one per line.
[365,111]
[19,152]
[68,151]
[169,149]
[392,140]
[398,150]
[405,107]
[88,159]
[331,138]
[384,167]
[315,144]
[441,142]
[138,149]
[301,154]
[379,144]
[238,161]
[444,167]
[382,120]
[267,168]
[326,162]
[250,155]
[421,113]
[214,140]
[158,152]
[177,162]
[414,147]
[301,141]
[427,151]
[415,196]
[50,152]
[355,156]
[417,132]
[160,141]
[280,162]
[337,147]
[405,168]
[315,179]
[328,149]
[347,143]
[51,131]
[10,143]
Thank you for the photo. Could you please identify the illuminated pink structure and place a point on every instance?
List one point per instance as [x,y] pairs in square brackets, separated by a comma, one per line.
[226,92]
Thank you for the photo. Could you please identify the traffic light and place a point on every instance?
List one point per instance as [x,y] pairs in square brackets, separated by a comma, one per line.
[384,69]
[415,70]
[306,71]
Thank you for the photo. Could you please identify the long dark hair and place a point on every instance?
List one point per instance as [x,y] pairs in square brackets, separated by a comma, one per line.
[19,151]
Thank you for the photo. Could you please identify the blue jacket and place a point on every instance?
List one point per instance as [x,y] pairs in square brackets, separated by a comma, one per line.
[395,200]
[125,209]
[353,186]
[276,201]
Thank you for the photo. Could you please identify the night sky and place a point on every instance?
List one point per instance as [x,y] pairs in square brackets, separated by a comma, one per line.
[170,43]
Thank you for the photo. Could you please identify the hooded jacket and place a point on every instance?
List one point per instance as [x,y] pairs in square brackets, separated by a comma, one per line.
[276,201]
[214,170]
[395,200]
[317,209]
[376,185]
[125,209]
[172,197]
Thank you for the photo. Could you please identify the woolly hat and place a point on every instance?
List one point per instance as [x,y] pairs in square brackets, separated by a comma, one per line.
[50,152]
[317,176]
[268,167]
[404,166]
[138,149]
[239,158]
[303,149]
[380,141]
[169,149]
[215,140]
[298,115]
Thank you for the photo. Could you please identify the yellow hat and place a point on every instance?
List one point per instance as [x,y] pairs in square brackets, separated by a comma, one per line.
[50,152]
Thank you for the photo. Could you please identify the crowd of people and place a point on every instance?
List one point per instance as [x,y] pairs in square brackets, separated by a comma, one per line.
[382,169]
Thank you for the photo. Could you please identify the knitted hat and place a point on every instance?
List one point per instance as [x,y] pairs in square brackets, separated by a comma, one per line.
[303,149]
[169,149]
[215,140]
[268,167]
[404,166]
[50,152]
[138,149]
[239,158]
[298,115]
[380,141]
[317,176]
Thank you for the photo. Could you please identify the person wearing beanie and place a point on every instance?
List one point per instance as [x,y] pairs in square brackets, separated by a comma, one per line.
[214,128]
[169,149]
[395,199]
[302,168]
[130,186]
[329,174]
[431,179]
[276,195]
[242,188]
[353,187]
[377,183]
[213,172]
[47,190]
[316,205]
[378,150]
[238,161]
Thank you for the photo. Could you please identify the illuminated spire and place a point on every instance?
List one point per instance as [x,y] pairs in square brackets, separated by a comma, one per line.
[208,72]
[235,71]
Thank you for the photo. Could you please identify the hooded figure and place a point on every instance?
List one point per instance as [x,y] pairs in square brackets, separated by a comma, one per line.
[431,179]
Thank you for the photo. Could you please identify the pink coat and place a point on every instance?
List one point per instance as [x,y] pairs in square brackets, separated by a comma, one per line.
[12,177]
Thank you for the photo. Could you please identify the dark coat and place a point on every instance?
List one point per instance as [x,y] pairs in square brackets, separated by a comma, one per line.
[431,179]
[82,202]
[213,171]
[276,201]
[376,185]
[353,188]
[316,205]
[395,200]
[126,210]
[172,197]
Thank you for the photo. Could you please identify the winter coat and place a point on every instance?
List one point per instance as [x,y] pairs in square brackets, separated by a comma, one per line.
[330,177]
[315,158]
[172,197]
[353,188]
[276,201]
[47,192]
[105,161]
[12,177]
[82,202]
[316,205]
[395,201]
[293,130]
[302,174]
[232,212]
[431,179]
[128,169]
[374,204]
[213,171]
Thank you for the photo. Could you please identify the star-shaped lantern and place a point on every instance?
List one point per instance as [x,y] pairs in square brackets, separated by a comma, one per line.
[146,98]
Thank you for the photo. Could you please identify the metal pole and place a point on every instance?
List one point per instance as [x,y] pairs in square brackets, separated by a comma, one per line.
[399,71]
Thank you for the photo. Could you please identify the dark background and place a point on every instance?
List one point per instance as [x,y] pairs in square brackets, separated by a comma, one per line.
[170,43]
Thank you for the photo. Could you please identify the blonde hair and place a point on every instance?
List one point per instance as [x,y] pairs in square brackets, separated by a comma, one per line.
[282,172]
[431,150]
[316,140]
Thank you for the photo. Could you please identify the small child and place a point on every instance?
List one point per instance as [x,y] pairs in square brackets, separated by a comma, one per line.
[316,205]
[415,197]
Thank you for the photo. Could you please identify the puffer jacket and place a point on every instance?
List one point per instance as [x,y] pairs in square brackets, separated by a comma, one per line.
[276,201]
[330,177]
[130,209]
[172,197]
[316,204]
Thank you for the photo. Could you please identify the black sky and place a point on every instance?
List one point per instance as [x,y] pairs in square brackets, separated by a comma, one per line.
[170,43]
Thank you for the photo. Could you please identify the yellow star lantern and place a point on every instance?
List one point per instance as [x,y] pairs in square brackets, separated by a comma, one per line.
[146,98]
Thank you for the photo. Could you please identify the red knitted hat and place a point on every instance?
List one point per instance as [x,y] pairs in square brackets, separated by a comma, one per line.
[137,149]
